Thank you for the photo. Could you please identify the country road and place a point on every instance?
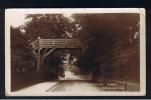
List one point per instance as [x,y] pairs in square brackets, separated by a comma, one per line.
[74,86]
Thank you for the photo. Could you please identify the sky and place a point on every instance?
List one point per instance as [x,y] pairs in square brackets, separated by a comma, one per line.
[17,21]
[20,19]
[17,16]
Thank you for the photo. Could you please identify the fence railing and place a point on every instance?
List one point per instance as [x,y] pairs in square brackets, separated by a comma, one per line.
[35,44]
[55,43]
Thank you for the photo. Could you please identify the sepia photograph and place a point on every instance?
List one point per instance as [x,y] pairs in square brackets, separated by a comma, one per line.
[75,52]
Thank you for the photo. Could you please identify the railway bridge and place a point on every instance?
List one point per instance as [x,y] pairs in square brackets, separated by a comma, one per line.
[43,47]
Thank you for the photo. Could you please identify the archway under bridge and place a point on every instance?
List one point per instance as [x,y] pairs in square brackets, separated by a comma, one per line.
[44,47]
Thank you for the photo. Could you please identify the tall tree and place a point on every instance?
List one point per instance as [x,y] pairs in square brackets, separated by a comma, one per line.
[49,26]
[109,41]
[40,25]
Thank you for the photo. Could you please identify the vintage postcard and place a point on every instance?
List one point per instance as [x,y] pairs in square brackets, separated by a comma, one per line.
[75,52]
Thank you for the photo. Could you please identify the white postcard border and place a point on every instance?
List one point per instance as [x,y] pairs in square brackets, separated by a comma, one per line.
[12,11]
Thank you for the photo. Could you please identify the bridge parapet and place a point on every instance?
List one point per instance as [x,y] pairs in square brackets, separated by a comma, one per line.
[49,45]
[56,43]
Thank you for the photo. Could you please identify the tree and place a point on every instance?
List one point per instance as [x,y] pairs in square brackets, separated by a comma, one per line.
[21,57]
[49,26]
[108,43]
[39,25]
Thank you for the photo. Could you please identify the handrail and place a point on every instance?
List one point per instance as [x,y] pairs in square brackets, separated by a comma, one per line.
[57,43]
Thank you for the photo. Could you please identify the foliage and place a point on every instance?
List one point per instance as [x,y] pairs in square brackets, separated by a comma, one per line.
[49,26]
[39,25]
[21,56]
[109,42]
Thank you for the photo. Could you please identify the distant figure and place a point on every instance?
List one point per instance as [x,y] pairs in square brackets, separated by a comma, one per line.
[61,71]
[74,61]
[67,56]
